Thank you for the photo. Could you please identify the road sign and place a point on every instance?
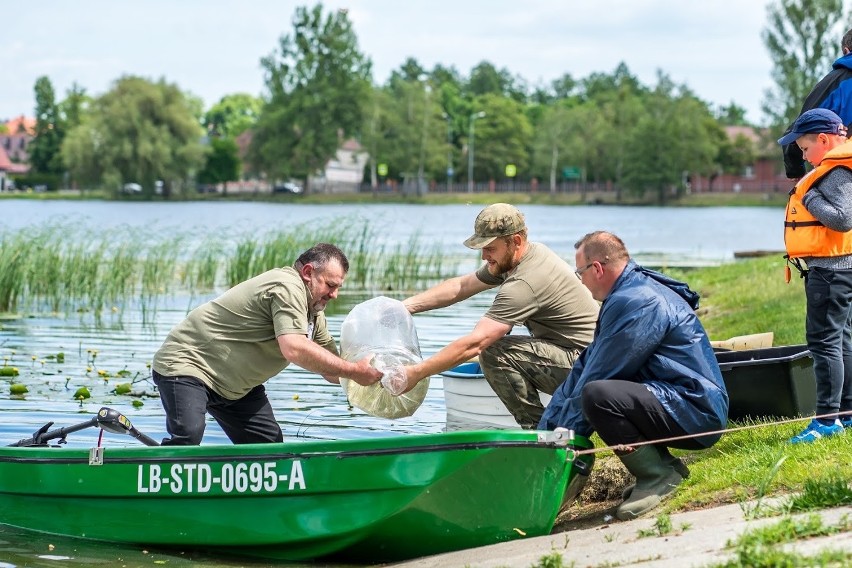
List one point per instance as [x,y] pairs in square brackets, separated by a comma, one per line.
[511,170]
[572,172]
[382,169]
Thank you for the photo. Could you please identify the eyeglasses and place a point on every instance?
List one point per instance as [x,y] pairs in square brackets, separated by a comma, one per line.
[579,272]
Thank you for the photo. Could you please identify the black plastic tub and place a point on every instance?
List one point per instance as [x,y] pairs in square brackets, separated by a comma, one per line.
[769,383]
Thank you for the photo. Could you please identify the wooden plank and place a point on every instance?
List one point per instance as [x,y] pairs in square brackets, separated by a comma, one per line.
[743,342]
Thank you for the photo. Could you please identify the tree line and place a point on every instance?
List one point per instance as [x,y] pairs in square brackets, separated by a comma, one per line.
[424,124]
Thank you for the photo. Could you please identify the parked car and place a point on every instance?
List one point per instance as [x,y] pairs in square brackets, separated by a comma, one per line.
[206,188]
[131,188]
[287,187]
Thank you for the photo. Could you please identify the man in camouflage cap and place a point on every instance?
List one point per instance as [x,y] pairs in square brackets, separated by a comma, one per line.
[537,289]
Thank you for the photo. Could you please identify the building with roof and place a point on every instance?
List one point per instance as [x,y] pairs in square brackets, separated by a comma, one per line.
[344,172]
[764,175]
[14,143]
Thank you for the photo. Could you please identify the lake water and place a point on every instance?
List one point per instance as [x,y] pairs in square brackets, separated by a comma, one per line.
[676,235]
[305,405]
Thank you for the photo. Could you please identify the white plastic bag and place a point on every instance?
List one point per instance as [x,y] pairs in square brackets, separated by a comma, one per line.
[382,327]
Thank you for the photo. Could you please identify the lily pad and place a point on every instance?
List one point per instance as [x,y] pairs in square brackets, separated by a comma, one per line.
[82,393]
[18,388]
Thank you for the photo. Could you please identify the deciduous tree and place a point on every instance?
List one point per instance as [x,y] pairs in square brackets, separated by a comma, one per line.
[223,162]
[139,132]
[317,85]
[233,115]
[803,39]
[44,150]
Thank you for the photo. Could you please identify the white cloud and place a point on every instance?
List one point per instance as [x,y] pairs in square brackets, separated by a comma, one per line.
[213,47]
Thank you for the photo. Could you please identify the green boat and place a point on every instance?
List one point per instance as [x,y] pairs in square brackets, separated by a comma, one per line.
[370,500]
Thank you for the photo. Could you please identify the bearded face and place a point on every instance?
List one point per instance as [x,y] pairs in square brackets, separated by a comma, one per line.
[500,256]
[323,283]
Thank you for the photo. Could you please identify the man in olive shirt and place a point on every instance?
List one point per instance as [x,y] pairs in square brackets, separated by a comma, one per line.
[538,290]
[217,359]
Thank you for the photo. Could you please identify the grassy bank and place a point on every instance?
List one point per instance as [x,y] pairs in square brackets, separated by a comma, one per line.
[749,296]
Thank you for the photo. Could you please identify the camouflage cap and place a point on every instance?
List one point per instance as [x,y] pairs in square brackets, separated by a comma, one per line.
[497,220]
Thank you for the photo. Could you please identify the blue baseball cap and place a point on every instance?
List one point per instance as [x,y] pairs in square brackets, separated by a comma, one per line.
[814,121]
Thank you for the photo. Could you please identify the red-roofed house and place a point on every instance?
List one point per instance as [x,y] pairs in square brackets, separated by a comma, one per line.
[765,175]
[5,166]
[14,141]
[21,125]
[14,158]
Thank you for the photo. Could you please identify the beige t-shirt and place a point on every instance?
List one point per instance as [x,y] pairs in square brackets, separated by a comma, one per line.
[545,295]
[230,343]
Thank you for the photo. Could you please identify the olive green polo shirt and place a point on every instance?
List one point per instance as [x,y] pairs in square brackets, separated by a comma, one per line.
[543,294]
[230,342]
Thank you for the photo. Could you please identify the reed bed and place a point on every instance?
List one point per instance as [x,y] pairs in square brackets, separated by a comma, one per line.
[65,268]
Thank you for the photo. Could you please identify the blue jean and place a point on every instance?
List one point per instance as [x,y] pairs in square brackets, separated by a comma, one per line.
[828,328]
[186,400]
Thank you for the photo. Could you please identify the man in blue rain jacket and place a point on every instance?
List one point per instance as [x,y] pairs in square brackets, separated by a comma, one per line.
[649,373]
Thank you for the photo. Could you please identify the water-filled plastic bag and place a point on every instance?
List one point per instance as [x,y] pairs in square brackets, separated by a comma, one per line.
[382,327]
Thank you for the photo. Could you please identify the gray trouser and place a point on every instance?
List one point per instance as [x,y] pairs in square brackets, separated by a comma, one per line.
[518,367]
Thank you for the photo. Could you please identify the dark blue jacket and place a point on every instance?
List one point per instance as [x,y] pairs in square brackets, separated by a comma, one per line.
[834,92]
[648,332]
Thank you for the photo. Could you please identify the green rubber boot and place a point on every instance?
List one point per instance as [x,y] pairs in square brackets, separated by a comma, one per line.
[668,458]
[654,480]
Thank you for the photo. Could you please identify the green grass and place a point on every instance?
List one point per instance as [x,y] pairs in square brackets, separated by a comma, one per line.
[749,296]
[740,466]
[760,546]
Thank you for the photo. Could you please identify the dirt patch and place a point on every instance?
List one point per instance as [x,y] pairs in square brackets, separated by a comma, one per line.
[598,499]
[595,506]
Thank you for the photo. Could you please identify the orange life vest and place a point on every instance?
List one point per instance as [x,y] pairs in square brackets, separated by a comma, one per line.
[804,234]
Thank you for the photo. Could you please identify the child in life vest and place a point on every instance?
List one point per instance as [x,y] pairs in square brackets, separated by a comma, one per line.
[818,232]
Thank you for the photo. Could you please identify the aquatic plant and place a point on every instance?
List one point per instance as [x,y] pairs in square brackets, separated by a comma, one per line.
[61,267]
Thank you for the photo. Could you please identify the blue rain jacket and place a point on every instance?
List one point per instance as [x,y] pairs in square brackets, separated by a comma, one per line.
[648,332]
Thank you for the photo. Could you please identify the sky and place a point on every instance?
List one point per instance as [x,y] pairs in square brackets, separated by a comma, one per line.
[212,48]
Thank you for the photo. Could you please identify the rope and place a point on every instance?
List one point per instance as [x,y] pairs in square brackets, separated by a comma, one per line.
[630,447]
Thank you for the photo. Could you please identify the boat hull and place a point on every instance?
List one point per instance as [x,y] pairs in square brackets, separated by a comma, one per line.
[354,499]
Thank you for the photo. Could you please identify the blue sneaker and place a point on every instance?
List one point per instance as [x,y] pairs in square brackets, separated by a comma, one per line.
[816,430]
[846,421]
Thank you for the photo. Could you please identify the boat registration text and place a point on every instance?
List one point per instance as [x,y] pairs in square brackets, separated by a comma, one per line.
[241,477]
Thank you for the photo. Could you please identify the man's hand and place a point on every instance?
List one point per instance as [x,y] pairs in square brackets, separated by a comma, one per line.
[395,380]
[364,373]
[300,350]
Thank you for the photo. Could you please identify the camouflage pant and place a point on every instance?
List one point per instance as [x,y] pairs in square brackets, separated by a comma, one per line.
[519,367]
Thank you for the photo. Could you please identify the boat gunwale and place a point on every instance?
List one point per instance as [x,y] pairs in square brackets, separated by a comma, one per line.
[338,454]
